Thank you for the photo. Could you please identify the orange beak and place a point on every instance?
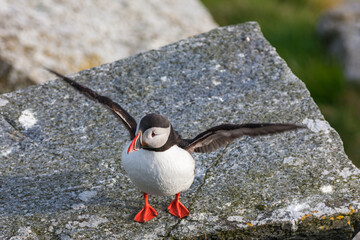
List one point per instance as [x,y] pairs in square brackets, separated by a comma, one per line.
[136,143]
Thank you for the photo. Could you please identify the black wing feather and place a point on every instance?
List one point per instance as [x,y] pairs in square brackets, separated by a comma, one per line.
[221,135]
[119,112]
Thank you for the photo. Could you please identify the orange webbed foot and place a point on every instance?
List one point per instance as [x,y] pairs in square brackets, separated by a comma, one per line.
[177,209]
[147,213]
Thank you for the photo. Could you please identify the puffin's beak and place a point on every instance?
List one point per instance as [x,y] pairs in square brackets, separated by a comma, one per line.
[136,143]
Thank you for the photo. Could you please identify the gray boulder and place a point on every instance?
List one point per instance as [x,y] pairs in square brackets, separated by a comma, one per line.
[61,175]
[340,30]
[73,35]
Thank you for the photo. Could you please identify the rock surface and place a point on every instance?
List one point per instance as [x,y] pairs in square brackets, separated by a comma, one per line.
[340,30]
[71,35]
[61,175]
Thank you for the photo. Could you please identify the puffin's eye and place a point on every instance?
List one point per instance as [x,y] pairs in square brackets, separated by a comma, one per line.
[153,134]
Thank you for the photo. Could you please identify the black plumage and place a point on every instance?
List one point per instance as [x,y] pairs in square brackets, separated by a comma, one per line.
[207,141]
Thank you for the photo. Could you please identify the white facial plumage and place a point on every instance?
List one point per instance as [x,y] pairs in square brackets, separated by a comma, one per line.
[156,137]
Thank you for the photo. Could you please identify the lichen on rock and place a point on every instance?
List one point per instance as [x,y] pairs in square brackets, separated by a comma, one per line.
[62,176]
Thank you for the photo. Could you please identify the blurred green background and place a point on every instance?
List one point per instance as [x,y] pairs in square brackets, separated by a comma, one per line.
[290,26]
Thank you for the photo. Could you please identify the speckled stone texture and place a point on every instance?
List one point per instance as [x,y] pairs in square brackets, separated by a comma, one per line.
[70,36]
[61,174]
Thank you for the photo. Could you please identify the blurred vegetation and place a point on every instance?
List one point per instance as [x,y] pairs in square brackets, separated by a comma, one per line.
[290,26]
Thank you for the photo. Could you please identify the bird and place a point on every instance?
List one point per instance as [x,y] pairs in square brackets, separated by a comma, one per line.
[159,161]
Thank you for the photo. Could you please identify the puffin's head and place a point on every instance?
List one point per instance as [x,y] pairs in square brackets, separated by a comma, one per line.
[152,133]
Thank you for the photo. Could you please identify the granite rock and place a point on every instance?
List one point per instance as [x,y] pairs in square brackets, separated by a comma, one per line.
[73,35]
[61,174]
[340,30]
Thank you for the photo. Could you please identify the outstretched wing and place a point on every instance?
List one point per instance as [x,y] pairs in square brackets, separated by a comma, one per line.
[119,112]
[221,135]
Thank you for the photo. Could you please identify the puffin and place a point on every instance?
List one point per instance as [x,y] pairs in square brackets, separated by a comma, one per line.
[159,161]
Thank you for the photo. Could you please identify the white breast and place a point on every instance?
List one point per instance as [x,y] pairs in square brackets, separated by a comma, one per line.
[160,173]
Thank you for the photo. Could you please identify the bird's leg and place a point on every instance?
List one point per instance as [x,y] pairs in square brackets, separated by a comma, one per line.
[147,213]
[177,209]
